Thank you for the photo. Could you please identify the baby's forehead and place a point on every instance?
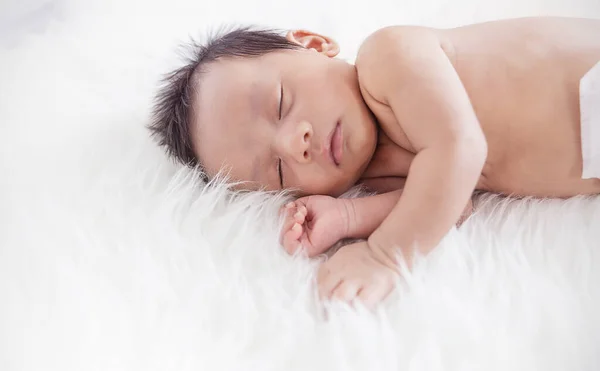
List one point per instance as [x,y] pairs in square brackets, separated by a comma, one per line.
[225,94]
[228,110]
[234,75]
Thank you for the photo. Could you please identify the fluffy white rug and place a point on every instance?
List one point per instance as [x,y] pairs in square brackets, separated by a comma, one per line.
[112,258]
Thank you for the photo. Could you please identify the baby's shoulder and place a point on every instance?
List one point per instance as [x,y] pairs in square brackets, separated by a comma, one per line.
[377,46]
[386,54]
[393,41]
[393,34]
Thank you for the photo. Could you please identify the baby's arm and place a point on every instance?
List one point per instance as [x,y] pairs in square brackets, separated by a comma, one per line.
[315,223]
[408,70]
[322,220]
[367,213]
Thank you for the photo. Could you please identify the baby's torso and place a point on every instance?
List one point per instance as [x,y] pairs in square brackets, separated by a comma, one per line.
[522,77]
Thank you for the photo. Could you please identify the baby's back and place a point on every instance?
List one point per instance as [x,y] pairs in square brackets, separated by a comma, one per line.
[522,77]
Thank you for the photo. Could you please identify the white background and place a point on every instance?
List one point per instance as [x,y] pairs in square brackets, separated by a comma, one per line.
[113,258]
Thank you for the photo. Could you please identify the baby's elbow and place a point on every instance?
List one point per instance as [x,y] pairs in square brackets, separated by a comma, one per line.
[478,144]
[468,150]
[474,150]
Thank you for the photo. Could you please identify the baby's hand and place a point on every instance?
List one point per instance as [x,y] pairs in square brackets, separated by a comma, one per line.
[314,223]
[354,272]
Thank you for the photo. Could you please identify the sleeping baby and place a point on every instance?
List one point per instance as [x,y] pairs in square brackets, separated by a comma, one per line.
[422,118]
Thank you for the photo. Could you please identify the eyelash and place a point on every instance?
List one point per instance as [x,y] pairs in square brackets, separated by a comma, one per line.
[280,173]
[279,170]
[280,101]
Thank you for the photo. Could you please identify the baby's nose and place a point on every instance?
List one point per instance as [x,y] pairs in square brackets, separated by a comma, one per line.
[299,142]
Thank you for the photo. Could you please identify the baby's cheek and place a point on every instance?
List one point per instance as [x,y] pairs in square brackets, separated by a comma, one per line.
[324,188]
[318,181]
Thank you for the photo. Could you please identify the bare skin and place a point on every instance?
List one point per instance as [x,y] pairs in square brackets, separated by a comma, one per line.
[522,80]
[439,113]
[522,77]
[315,223]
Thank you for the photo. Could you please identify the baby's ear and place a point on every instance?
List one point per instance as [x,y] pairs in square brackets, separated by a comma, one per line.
[310,40]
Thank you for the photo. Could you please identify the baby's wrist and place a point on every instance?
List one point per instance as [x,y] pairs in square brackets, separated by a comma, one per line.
[350,221]
[383,250]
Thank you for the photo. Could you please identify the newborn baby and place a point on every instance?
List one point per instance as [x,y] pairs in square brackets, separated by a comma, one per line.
[510,106]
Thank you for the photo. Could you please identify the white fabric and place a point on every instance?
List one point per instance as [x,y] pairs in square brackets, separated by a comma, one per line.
[112,259]
[589,103]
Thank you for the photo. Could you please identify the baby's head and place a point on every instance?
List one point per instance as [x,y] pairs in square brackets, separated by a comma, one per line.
[274,111]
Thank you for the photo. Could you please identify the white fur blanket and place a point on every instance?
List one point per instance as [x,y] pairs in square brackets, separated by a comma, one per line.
[112,258]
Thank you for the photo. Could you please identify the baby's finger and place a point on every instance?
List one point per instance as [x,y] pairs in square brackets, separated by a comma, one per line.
[291,238]
[292,246]
[284,209]
[346,291]
[296,230]
[371,295]
[290,219]
[299,217]
[288,224]
[327,282]
[302,209]
[290,210]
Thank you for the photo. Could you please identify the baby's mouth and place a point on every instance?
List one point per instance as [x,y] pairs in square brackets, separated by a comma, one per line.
[336,145]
